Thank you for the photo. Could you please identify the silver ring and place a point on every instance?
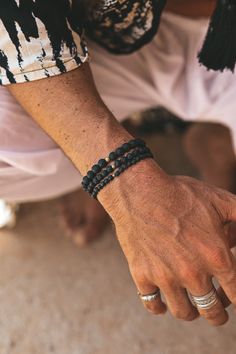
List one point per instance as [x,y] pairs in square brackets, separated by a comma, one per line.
[149,297]
[205,302]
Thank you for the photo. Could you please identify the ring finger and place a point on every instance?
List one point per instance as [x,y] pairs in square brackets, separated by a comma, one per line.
[209,307]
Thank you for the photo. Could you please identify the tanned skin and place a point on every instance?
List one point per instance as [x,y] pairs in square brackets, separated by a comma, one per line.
[172,229]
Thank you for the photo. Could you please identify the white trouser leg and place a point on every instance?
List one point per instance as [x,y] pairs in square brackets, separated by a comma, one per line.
[163,73]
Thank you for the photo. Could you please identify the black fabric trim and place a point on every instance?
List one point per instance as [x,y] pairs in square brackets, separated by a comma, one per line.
[158,7]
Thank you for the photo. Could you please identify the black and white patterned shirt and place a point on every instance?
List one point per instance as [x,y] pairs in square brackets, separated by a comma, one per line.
[43,38]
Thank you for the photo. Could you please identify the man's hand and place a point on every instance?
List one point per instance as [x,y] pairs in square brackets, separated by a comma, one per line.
[172,231]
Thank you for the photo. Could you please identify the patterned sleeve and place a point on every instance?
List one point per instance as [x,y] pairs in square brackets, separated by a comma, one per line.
[39,39]
[123,26]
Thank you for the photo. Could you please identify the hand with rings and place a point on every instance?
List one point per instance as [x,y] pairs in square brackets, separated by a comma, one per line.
[174,232]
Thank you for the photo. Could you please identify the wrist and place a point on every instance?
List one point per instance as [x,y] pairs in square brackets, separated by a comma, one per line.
[117,197]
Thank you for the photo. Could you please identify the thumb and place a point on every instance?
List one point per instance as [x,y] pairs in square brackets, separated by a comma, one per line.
[226,205]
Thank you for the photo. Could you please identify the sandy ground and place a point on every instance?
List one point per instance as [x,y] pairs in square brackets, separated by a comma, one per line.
[56,298]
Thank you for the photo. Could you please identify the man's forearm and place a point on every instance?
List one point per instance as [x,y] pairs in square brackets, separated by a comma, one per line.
[70,110]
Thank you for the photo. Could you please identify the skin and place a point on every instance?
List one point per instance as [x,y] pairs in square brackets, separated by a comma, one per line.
[191,8]
[83,218]
[171,229]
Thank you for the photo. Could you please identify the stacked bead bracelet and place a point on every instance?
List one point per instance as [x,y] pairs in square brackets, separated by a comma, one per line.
[114,165]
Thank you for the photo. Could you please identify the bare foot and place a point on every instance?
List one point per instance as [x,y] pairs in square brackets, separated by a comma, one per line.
[83,218]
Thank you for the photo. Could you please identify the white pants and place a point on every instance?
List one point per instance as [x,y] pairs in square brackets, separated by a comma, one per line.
[163,73]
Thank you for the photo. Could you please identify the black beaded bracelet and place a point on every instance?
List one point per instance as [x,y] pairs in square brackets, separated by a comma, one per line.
[119,171]
[116,163]
[119,152]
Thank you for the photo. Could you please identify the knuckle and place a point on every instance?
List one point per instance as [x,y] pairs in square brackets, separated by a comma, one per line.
[141,281]
[139,276]
[229,281]
[220,259]
[165,279]
[166,282]
[189,273]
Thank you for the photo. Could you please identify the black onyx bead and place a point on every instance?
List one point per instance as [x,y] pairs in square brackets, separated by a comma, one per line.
[90,174]
[102,163]
[125,160]
[90,189]
[128,164]
[96,168]
[119,152]
[104,173]
[117,173]
[99,177]
[95,180]
[102,184]
[133,143]
[112,156]
[126,147]
[129,156]
[109,169]
[110,178]
[118,163]
[140,151]
[86,180]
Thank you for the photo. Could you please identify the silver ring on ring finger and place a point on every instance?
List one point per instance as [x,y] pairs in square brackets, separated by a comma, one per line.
[205,302]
